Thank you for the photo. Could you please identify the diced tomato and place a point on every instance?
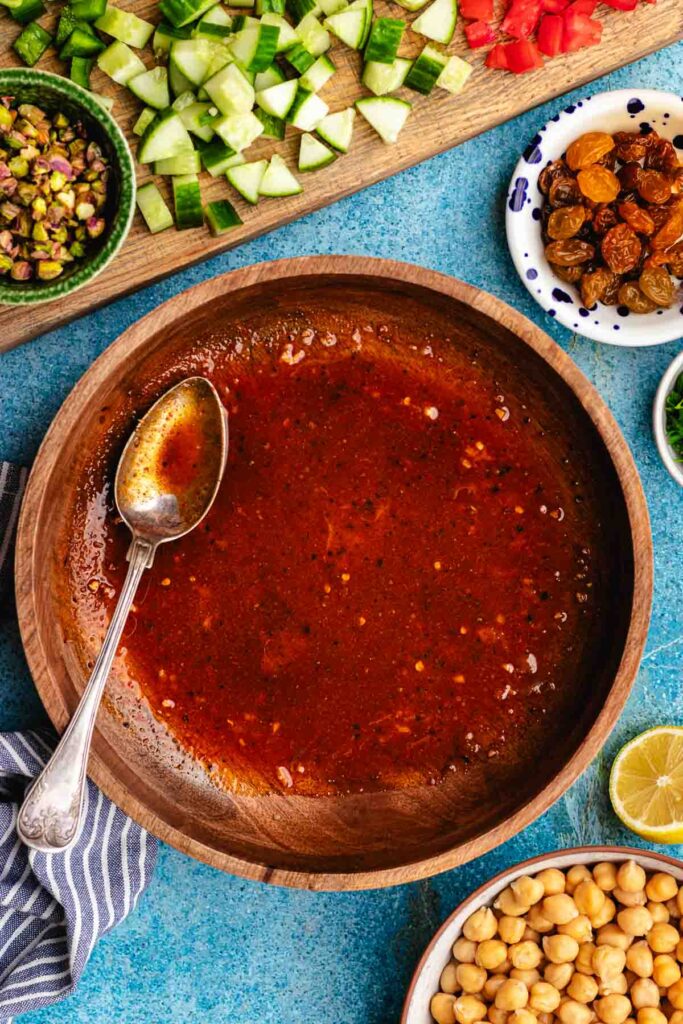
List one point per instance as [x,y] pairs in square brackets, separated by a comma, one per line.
[622,5]
[497,58]
[477,10]
[478,33]
[517,57]
[549,37]
[554,6]
[521,18]
[585,7]
[579,30]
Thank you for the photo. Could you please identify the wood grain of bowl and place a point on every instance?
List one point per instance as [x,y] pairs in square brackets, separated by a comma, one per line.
[356,840]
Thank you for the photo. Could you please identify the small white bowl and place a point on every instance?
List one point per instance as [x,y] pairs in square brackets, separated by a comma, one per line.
[621,110]
[425,980]
[659,419]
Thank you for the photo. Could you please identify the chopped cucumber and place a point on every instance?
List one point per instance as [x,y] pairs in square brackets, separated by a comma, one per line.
[364,5]
[349,26]
[438,21]
[386,114]
[198,118]
[187,199]
[125,26]
[254,48]
[220,58]
[120,63]
[270,7]
[313,154]
[337,129]
[278,181]
[87,10]
[32,43]
[106,102]
[144,120]
[313,36]
[300,59]
[384,40]
[182,12]
[185,163]
[27,10]
[154,210]
[239,130]
[426,70]
[177,81]
[307,111]
[412,5]
[318,74]
[221,216]
[454,75]
[273,127]
[80,69]
[271,76]
[152,88]
[241,21]
[191,57]
[278,99]
[216,157]
[166,34]
[216,24]
[230,90]
[247,178]
[298,9]
[287,37]
[67,23]
[329,7]
[166,136]
[81,43]
[384,78]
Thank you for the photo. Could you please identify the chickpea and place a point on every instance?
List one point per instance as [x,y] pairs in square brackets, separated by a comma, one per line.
[571,1012]
[512,995]
[465,950]
[575,876]
[658,911]
[673,908]
[544,998]
[537,920]
[663,938]
[613,1009]
[679,951]
[545,1018]
[491,953]
[615,984]
[528,890]
[509,905]
[522,1017]
[635,920]
[608,961]
[589,897]
[491,986]
[612,935]
[580,929]
[559,975]
[650,1015]
[496,1016]
[661,887]
[560,949]
[481,925]
[553,881]
[644,992]
[676,1017]
[584,960]
[675,994]
[605,876]
[530,935]
[631,877]
[449,981]
[529,977]
[559,908]
[511,929]
[442,1008]
[469,1009]
[666,971]
[630,899]
[605,914]
[503,968]
[583,988]
[525,955]
[470,978]
[639,959]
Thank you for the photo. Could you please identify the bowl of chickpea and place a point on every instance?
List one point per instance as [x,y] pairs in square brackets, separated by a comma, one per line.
[591,935]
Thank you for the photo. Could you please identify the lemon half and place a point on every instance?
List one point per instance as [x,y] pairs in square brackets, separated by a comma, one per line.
[646,784]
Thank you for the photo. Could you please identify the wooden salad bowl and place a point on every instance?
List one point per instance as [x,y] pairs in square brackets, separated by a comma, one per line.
[357,840]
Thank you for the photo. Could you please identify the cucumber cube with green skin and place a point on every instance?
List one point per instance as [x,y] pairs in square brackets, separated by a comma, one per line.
[277,101]
[318,74]
[27,10]
[81,44]
[273,127]
[230,90]
[166,136]
[87,10]
[384,40]
[349,26]
[221,216]
[166,34]
[198,118]
[185,163]
[298,9]
[454,75]
[32,43]
[278,181]
[313,36]
[300,59]
[120,63]
[438,21]
[182,12]
[426,70]
[106,102]
[80,69]
[177,81]
[255,46]
[271,76]
[238,130]
[270,7]
[246,179]
[144,120]
[313,154]
[216,156]
[337,129]
[385,78]
[154,210]
[192,58]
[386,114]
[151,87]
[329,7]
[125,26]
[287,37]
[412,5]
[308,110]
[65,26]
[216,23]
[187,199]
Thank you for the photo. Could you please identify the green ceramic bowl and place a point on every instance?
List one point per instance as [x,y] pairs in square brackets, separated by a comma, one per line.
[52,94]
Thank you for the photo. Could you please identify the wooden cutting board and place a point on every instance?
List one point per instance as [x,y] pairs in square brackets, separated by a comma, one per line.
[437,123]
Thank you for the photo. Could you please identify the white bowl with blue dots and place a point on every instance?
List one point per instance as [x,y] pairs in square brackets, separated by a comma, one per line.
[621,110]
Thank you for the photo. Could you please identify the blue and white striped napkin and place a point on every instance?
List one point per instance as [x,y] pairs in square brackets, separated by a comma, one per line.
[54,907]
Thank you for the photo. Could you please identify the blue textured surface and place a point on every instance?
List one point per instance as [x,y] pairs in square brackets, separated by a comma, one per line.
[206,947]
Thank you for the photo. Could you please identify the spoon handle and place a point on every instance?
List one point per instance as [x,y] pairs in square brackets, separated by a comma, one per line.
[50,815]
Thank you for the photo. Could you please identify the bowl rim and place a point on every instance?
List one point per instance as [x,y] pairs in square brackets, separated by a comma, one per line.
[128,346]
[15,78]
[673,371]
[658,330]
[498,881]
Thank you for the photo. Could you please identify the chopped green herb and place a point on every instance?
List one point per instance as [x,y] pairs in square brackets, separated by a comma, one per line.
[674,418]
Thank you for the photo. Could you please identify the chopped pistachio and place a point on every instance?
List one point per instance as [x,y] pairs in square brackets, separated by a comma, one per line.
[49,269]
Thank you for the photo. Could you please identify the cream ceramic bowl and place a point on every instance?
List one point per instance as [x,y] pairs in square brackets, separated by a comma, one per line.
[438,953]
[659,419]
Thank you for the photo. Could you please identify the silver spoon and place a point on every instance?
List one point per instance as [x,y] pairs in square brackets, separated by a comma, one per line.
[166,481]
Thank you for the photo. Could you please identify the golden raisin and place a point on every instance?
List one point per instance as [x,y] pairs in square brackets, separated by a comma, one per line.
[654,186]
[566,222]
[629,146]
[631,296]
[621,249]
[599,183]
[671,231]
[564,192]
[588,149]
[594,285]
[657,286]
[569,253]
[569,274]
[637,218]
